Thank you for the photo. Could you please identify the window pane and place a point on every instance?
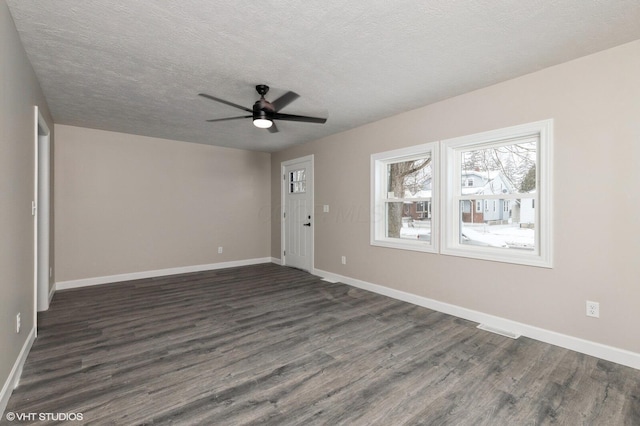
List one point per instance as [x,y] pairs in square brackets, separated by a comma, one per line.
[406,222]
[297,181]
[402,206]
[410,179]
[505,169]
[512,227]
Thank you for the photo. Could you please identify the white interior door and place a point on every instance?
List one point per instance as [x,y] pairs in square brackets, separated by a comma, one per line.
[297,209]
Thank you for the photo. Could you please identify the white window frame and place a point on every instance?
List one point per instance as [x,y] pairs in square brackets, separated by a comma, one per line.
[451,195]
[379,197]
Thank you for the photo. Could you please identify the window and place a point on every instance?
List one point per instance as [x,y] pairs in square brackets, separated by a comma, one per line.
[297,182]
[501,214]
[515,167]
[403,198]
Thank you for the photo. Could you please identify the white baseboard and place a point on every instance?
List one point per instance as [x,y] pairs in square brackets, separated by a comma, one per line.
[85,282]
[14,376]
[609,353]
[276,261]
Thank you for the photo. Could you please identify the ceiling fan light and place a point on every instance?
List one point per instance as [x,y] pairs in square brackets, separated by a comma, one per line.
[262,123]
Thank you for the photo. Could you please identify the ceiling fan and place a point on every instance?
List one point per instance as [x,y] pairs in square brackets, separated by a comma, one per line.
[264,112]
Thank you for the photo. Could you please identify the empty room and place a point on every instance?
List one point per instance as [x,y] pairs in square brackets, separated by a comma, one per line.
[320,213]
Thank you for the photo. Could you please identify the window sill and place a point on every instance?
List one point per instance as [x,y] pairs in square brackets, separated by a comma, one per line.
[499,255]
[405,245]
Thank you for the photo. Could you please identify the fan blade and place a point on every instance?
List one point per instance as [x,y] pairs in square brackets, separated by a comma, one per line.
[230,118]
[291,117]
[273,128]
[204,95]
[284,100]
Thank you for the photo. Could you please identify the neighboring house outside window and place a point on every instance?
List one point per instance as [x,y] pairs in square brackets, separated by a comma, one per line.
[515,167]
[496,195]
[495,188]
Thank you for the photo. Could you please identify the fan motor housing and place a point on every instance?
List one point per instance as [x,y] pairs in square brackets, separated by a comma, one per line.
[263,105]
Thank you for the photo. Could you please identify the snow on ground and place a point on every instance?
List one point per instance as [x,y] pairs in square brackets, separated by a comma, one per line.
[508,236]
[416,230]
[511,235]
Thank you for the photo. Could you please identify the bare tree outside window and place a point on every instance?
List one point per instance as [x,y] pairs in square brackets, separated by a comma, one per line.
[483,196]
[405,180]
[404,200]
[515,162]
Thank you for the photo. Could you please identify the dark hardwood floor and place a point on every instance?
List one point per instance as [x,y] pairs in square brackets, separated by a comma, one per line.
[271,345]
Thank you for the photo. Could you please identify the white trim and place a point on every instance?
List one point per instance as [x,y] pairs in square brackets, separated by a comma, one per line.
[450,245]
[276,261]
[378,229]
[34,205]
[16,372]
[311,160]
[85,282]
[609,353]
[42,203]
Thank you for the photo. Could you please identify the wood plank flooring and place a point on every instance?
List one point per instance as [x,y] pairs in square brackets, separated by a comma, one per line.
[272,345]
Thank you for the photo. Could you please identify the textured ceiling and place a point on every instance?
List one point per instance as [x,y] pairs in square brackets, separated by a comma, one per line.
[137,66]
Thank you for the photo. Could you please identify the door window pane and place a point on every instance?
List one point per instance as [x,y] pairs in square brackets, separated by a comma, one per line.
[297,181]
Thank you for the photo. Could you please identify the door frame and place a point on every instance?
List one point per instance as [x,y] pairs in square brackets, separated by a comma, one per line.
[283,186]
[41,211]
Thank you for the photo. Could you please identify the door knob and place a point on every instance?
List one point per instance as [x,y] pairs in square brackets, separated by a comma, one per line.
[306,224]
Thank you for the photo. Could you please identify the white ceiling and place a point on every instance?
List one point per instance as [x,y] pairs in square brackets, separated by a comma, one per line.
[137,66]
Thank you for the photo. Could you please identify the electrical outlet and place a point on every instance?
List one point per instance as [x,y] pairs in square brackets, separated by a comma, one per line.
[18,323]
[593,309]
[219,249]
[344,260]
[325,208]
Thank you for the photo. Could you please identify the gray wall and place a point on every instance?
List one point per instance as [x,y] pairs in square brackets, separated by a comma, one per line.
[20,92]
[127,204]
[595,102]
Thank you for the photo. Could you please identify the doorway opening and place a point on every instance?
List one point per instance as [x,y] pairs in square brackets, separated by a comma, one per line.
[41,210]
